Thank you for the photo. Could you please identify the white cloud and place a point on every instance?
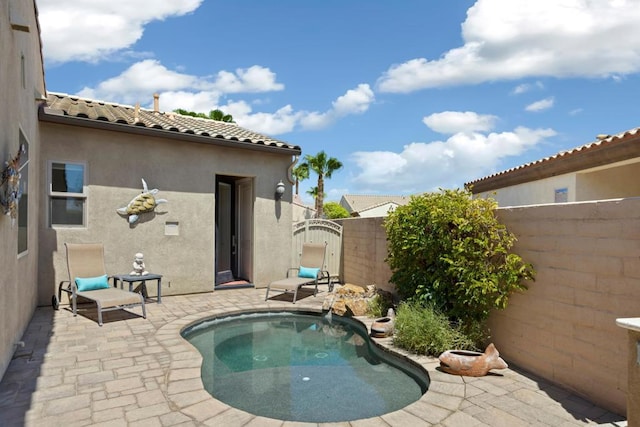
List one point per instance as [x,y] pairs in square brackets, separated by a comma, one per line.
[354,101]
[141,80]
[177,89]
[543,104]
[526,87]
[450,122]
[423,166]
[506,40]
[90,30]
[252,79]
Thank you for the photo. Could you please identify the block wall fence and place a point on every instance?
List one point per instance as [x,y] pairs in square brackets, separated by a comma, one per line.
[587,261]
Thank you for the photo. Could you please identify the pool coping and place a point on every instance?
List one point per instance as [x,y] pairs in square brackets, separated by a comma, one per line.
[185,390]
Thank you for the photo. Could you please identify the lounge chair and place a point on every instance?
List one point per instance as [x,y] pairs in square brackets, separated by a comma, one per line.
[310,270]
[88,279]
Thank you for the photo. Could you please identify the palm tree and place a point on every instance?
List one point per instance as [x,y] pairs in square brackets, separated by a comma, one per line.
[313,192]
[324,166]
[300,173]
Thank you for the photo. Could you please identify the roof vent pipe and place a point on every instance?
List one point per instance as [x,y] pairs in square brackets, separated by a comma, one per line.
[156,103]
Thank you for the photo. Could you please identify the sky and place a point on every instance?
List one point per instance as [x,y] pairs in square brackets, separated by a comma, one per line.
[411,95]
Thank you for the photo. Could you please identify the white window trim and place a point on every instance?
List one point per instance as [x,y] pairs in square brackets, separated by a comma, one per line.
[23,135]
[51,194]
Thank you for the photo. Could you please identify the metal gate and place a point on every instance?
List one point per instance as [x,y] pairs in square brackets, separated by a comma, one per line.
[319,231]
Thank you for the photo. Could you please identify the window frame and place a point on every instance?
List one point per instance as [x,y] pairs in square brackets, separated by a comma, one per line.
[66,195]
[23,203]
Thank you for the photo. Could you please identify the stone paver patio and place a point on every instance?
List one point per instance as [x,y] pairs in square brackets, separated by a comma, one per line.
[137,372]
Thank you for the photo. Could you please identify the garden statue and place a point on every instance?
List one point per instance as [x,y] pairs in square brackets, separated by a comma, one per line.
[138,266]
[471,363]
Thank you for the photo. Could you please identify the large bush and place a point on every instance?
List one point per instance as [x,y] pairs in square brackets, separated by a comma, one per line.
[448,250]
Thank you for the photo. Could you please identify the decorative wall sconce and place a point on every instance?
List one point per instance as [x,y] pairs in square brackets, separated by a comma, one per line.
[279,190]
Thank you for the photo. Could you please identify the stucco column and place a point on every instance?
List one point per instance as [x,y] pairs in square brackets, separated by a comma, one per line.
[633,369]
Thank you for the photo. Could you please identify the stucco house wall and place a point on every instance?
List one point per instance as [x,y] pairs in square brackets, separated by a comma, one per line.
[378,211]
[18,114]
[610,182]
[535,192]
[605,169]
[185,175]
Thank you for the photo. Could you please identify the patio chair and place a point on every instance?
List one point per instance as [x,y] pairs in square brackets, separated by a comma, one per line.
[88,279]
[310,270]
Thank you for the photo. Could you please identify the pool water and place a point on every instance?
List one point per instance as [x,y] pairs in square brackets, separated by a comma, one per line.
[302,367]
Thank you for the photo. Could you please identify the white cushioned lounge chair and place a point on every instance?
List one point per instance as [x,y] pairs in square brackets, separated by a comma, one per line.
[310,270]
[88,279]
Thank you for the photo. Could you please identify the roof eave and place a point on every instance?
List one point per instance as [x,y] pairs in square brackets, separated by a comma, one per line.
[600,155]
[55,116]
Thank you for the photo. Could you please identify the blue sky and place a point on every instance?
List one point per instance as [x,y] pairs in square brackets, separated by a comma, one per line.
[411,95]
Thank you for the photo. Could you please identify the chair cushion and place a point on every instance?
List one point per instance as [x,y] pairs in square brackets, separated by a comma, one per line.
[92,283]
[308,272]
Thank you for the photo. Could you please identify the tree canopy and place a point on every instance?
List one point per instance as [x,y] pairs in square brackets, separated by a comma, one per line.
[217,115]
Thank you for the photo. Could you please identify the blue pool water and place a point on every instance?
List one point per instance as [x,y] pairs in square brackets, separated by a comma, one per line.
[302,367]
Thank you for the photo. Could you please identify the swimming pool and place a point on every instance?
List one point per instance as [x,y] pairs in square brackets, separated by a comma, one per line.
[299,366]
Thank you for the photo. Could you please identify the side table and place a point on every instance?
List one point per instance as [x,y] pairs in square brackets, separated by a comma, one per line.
[131,279]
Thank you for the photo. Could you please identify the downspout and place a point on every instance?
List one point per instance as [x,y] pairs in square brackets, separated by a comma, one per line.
[290,171]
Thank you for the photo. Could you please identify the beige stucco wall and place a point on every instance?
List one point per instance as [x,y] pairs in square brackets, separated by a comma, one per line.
[588,274]
[18,112]
[185,175]
[379,211]
[615,182]
[536,192]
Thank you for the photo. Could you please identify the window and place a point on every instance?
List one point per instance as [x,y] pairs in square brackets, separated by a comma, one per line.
[67,196]
[23,203]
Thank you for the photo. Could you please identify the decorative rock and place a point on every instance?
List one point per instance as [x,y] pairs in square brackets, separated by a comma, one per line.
[471,363]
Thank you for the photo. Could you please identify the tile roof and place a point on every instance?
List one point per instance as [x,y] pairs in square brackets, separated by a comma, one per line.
[359,203]
[135,117]
[606,150]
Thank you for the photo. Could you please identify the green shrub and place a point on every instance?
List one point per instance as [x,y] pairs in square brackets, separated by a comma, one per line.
[448,250]
[379,305]
[334,210]
[425,331]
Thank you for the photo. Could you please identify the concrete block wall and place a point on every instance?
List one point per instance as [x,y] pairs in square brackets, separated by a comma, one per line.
[364,249]
[563,328]
[587,262]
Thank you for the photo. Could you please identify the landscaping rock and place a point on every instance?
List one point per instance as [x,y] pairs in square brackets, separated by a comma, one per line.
[350,300]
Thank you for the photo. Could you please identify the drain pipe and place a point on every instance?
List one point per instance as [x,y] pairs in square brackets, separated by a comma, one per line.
[290,171]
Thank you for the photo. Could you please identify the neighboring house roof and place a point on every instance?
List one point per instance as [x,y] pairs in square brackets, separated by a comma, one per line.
[358,203]
[62,108]
[606,150]
[297,200]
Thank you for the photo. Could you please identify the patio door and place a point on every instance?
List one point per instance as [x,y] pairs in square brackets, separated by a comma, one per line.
[234,229]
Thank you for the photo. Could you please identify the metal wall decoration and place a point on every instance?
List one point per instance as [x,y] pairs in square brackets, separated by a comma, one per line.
[10,195]
[142,203]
